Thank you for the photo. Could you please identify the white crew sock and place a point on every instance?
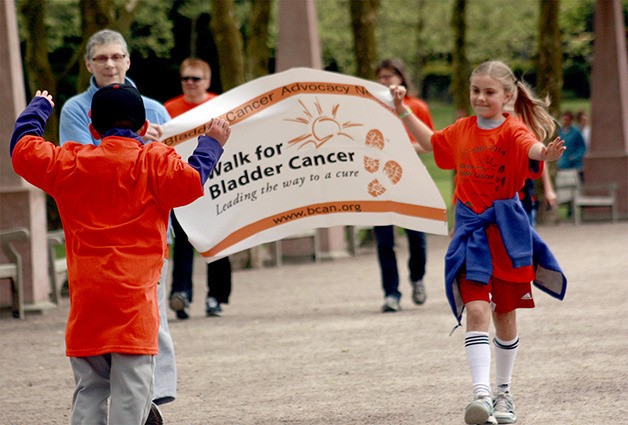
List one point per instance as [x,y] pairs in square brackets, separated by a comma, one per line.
[478,351]
[505,353]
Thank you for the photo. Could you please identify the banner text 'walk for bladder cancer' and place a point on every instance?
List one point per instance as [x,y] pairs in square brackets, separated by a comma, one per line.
[308,149]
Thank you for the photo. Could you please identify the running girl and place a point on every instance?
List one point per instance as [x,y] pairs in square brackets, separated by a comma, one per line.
[494,253]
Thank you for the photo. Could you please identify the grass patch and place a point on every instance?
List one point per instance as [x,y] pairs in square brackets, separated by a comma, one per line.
[575,105]
[442,114]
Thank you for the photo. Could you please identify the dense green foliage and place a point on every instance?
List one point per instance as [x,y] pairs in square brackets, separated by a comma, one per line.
[417,31]
[496,29]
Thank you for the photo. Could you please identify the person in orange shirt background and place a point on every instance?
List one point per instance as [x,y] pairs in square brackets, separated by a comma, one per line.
[393,72]
[196,76]
[195,81]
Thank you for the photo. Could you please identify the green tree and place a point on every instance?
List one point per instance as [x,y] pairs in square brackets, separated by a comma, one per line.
[410,30]
[229,42]
[39,72]
[549,68]
[459,63]
[257,38]
[363,19]
[549,76]
[420,56]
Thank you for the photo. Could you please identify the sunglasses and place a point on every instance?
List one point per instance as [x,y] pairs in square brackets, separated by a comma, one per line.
[194,79]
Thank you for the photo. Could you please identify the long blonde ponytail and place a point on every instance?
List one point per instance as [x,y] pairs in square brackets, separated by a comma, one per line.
[530,109]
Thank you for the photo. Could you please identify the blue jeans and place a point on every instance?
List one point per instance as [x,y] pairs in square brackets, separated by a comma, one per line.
[385,236]
[218,272]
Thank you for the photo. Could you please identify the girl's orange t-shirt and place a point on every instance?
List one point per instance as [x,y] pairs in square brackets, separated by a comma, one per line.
[490,165]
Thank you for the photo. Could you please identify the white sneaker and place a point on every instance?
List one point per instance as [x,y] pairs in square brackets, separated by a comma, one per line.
[391,304]
[504,407]
[212,307]
[480,411]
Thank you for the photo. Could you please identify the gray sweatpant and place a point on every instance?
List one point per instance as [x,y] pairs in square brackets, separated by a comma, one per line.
[165,389]
[125,380]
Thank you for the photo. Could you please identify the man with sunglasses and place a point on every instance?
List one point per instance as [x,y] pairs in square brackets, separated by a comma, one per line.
[195,80]
[107,59]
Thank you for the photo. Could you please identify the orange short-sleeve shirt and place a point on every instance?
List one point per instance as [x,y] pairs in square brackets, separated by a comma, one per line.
[490,165]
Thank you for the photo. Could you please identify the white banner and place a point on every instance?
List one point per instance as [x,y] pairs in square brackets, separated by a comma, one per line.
[308,149]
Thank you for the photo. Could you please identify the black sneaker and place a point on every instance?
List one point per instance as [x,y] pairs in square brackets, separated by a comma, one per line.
[179,303]
[212,307]
[418,292]
[154,416]
[182,315]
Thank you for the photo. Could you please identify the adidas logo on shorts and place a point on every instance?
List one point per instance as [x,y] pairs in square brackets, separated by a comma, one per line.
[527,296]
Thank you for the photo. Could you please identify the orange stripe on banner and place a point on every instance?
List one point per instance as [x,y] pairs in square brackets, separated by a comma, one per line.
[272,97]
[355,207]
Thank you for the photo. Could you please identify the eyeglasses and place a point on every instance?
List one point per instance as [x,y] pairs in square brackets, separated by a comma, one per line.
[101,60]
[194,79]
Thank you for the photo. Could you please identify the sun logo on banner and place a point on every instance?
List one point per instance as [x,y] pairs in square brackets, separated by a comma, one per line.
[392,170]
[322,127]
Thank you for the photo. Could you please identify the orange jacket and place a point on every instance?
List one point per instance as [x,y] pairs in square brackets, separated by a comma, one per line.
[114,200]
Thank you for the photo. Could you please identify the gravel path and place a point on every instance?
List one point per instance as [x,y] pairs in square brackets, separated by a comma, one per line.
[306,344]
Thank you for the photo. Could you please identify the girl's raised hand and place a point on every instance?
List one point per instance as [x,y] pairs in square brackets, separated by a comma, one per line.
[554,150]
[398,94]
[45,94]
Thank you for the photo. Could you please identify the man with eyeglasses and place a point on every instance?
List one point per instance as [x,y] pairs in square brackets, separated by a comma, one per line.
[195,80]
[107,59]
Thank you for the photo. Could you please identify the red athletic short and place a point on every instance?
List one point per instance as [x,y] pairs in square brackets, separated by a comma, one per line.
[503,296]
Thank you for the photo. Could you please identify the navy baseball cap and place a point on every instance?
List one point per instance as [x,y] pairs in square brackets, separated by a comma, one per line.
[117,106]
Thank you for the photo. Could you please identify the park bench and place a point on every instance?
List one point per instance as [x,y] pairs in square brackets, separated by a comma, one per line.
[570,191]
[57,267]
[12,270]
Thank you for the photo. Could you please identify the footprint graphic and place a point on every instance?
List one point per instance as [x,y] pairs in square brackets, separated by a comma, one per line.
[371,164]
[392,170]
[375,188]
[375,138]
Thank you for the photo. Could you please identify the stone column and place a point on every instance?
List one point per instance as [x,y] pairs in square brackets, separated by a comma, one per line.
[21,205]
[298,45]
[297,40]
[607,159]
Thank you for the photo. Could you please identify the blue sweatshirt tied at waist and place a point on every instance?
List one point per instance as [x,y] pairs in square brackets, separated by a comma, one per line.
[469,250]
